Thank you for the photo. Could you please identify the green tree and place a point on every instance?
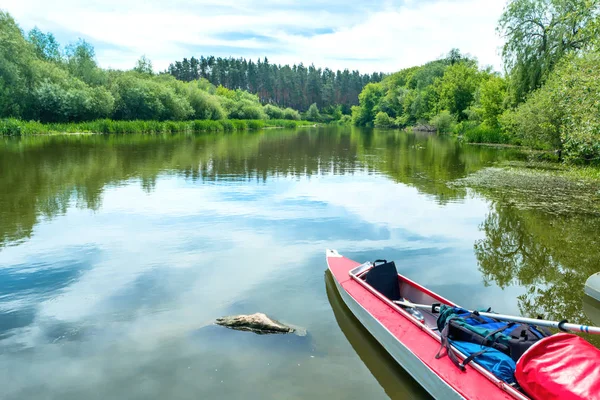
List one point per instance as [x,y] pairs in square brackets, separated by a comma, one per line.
[456,89]
[490,100]
[144,66]
[81,62]
[364,114]
[17,75]
[140,98]
[313,113]
[45,45]
[564,113]
[539,33]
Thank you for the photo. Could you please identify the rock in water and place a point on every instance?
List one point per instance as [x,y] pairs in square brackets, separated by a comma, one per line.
[258,323]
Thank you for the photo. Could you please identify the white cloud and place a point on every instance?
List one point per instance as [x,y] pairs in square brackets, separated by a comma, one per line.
[375,36]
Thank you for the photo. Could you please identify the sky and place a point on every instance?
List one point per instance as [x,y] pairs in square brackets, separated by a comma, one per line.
[371,36]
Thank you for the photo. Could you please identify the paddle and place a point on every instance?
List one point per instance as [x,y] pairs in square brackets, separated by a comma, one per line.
[562,325]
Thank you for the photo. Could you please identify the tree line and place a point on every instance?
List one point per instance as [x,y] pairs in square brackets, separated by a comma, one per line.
[42,81]
[294,86]
[547,98]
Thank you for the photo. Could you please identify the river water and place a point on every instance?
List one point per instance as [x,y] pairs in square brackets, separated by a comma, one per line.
[117,253]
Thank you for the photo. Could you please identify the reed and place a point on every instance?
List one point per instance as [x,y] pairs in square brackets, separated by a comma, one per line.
[16,127]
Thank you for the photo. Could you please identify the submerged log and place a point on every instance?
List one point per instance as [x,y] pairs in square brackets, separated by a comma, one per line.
[258,323]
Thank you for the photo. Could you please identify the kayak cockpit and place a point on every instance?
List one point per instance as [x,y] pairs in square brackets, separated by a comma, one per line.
[384,281]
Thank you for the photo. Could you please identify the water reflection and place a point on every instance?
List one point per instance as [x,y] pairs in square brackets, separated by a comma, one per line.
[42,176]
[115,249]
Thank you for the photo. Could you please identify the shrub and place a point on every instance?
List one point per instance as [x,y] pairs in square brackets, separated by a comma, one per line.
[227,125]
[246,109]
[463,126]
[254,125]
[313,113]
[206,126]
[239,125]
[273,112]
[281,123]
[11,127]
[485,134]
[291,114]
[205,105]
[345,120]
[443,122]
[383,120]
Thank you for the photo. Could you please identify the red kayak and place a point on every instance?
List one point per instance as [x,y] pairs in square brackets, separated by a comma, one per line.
[413,339]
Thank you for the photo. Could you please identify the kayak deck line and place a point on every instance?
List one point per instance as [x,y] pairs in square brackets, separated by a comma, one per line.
[413,343]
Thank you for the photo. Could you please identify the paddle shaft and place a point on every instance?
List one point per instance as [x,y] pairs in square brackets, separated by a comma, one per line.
[531,321]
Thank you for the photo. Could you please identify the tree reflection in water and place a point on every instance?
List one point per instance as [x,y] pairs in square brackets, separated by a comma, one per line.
[551,255]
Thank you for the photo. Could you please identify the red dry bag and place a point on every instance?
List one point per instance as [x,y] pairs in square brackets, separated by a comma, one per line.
[561,366]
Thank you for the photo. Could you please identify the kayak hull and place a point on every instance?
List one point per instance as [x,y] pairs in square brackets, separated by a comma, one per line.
[402,354]
[412,344]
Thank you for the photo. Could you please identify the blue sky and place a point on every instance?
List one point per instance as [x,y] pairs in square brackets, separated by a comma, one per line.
[370,36]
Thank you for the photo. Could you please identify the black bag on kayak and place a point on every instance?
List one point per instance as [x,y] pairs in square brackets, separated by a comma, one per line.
[384,279]
[511,338]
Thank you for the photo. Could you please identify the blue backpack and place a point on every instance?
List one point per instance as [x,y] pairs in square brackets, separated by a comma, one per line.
[510,338]
[493,344]
[502,366]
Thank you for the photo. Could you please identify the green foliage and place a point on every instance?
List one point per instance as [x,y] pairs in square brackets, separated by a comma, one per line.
[239,125]
[337,114]
[16,127]
[204,104]
[485,134]
[564,114]
[16,72]
[10,127]
[38,82]
[144,66]
[415,95]
[274,112]
[255,125]
[345,120]
[383,120]
[282,123]
[52,102]
[313,113]
[456,89]
[492,99]
[291,114]
[285,86]
[443,122]
[81,63]
[45,45]
[239,104]
[575,88]
[539,33]
[369,98]
[245,109]
[537,121]
[139,98]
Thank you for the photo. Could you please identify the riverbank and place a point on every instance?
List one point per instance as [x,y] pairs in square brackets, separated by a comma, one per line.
[16,127]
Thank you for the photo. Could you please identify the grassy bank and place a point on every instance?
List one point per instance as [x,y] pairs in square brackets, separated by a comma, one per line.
[16,127]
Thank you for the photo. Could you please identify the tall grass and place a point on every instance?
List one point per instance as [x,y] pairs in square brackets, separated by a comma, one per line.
[15,127]
[482,133]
